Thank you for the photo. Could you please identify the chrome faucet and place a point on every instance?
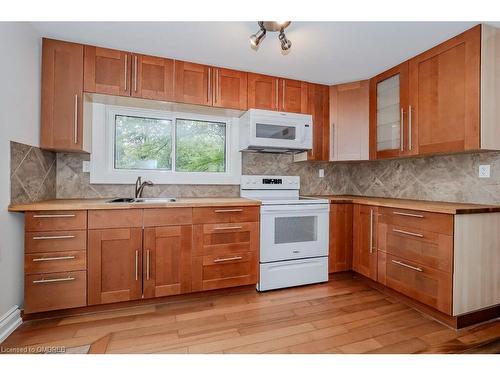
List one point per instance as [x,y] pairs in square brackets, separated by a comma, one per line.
[139,186]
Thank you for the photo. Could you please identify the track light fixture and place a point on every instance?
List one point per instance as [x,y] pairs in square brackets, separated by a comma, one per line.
[272,26]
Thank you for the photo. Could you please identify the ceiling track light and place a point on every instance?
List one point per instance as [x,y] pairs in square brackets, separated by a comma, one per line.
[271,26]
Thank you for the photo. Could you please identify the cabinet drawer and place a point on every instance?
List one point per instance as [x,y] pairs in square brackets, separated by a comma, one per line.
[227,237]
[425,284]
[36,242]
[157,217]
[55,220]
[433,222]
[225,214]
[55,262]
[55,291]
[109,219]
[427,248]
[225,270]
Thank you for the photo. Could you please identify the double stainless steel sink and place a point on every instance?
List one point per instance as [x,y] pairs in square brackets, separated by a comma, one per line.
[141,200]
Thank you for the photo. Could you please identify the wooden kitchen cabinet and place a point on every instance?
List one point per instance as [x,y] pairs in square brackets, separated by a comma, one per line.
[193,83]
[114,265]
[62,97]
[318,107]
[349,117]
[292,96]
[444,96]
[107,71]
[365,240]
[229,88]
[152,77]
[263,92]
[167,260]
[341,236]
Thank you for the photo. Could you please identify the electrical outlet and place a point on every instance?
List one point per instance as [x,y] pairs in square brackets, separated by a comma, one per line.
[484,171]
[321,173]
[86,166]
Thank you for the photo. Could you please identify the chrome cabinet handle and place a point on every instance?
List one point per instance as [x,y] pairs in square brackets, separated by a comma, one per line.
[209,84]
[147,264]
[44,281]
[407,266]
[409,128]
[53,237]
[137,265]
[75,125]
[219,260]
[277,93]
[283,95]
[216,84]
[401,136]
[229,210]
[126,71]
[407,214]
[135,73]
[45,216]
[53,258]
[228,228]
[408,233]
[371,231]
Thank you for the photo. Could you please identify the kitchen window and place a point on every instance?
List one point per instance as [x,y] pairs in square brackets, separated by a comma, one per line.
[165,147]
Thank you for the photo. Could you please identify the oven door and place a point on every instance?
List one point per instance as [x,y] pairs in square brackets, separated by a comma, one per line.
[293,232]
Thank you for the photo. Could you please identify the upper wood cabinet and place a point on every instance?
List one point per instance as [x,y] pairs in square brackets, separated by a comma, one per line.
[349,116]
[229,88]
[263,92]
[445,96]
[62,97]
[167,260]
[389,113]
[152,78]
[193,83]
[318,107]
[292,96]
[365,240]
[107,71]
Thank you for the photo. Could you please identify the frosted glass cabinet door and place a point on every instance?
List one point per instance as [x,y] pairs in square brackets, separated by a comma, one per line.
[388,113]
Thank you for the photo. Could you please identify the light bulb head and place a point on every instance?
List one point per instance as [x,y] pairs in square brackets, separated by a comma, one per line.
[256,38]
[286,44]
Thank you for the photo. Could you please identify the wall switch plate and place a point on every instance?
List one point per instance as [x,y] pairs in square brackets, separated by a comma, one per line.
[86,166]
[484,171]
[321,173]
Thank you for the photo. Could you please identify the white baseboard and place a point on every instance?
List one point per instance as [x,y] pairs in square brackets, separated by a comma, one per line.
[9,322]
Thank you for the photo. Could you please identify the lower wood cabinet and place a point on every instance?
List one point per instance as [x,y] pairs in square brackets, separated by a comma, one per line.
[167,260]
[365,240]
[114,265]
[340,254]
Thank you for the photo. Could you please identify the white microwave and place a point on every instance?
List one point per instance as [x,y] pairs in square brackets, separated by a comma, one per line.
[271,131]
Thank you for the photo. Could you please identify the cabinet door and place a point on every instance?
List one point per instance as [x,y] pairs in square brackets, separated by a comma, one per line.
[167,261]
[340,254]
[445,96]
[263,92]
[107,71]
[114,265]
[193,83]
[365,241]
[230,88]
[349,112]
[318,107]
[62,93]
[152,77]
[389,113]
[292,96]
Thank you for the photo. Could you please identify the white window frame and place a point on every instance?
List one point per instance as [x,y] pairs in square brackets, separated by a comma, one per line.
[103,171]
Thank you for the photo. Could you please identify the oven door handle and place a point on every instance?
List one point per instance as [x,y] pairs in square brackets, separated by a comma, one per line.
[299,209]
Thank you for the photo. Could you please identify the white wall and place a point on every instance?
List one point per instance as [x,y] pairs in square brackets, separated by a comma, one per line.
[20,48]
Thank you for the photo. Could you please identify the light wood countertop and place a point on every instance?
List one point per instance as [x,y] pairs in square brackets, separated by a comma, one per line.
[429,206]
[100,204]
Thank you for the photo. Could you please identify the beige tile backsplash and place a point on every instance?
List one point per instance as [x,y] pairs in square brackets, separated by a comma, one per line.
[37,175]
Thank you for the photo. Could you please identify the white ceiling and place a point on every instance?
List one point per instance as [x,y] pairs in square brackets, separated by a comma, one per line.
[322,52]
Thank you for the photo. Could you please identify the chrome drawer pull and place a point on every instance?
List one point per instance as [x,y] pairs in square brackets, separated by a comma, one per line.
[408,266]
[53,258]
[406,214]
[219,260]
[53,237]
[147,264]
[45,216]
[228,228]
[408,233]
[136,265]
[229,210]
[44,281]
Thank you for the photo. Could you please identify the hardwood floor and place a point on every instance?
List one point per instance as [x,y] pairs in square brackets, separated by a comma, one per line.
[341,316]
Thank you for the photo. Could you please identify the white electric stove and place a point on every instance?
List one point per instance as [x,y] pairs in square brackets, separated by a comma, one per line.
[293,232]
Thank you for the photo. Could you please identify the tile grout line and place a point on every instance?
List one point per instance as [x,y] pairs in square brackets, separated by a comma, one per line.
[21,162]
